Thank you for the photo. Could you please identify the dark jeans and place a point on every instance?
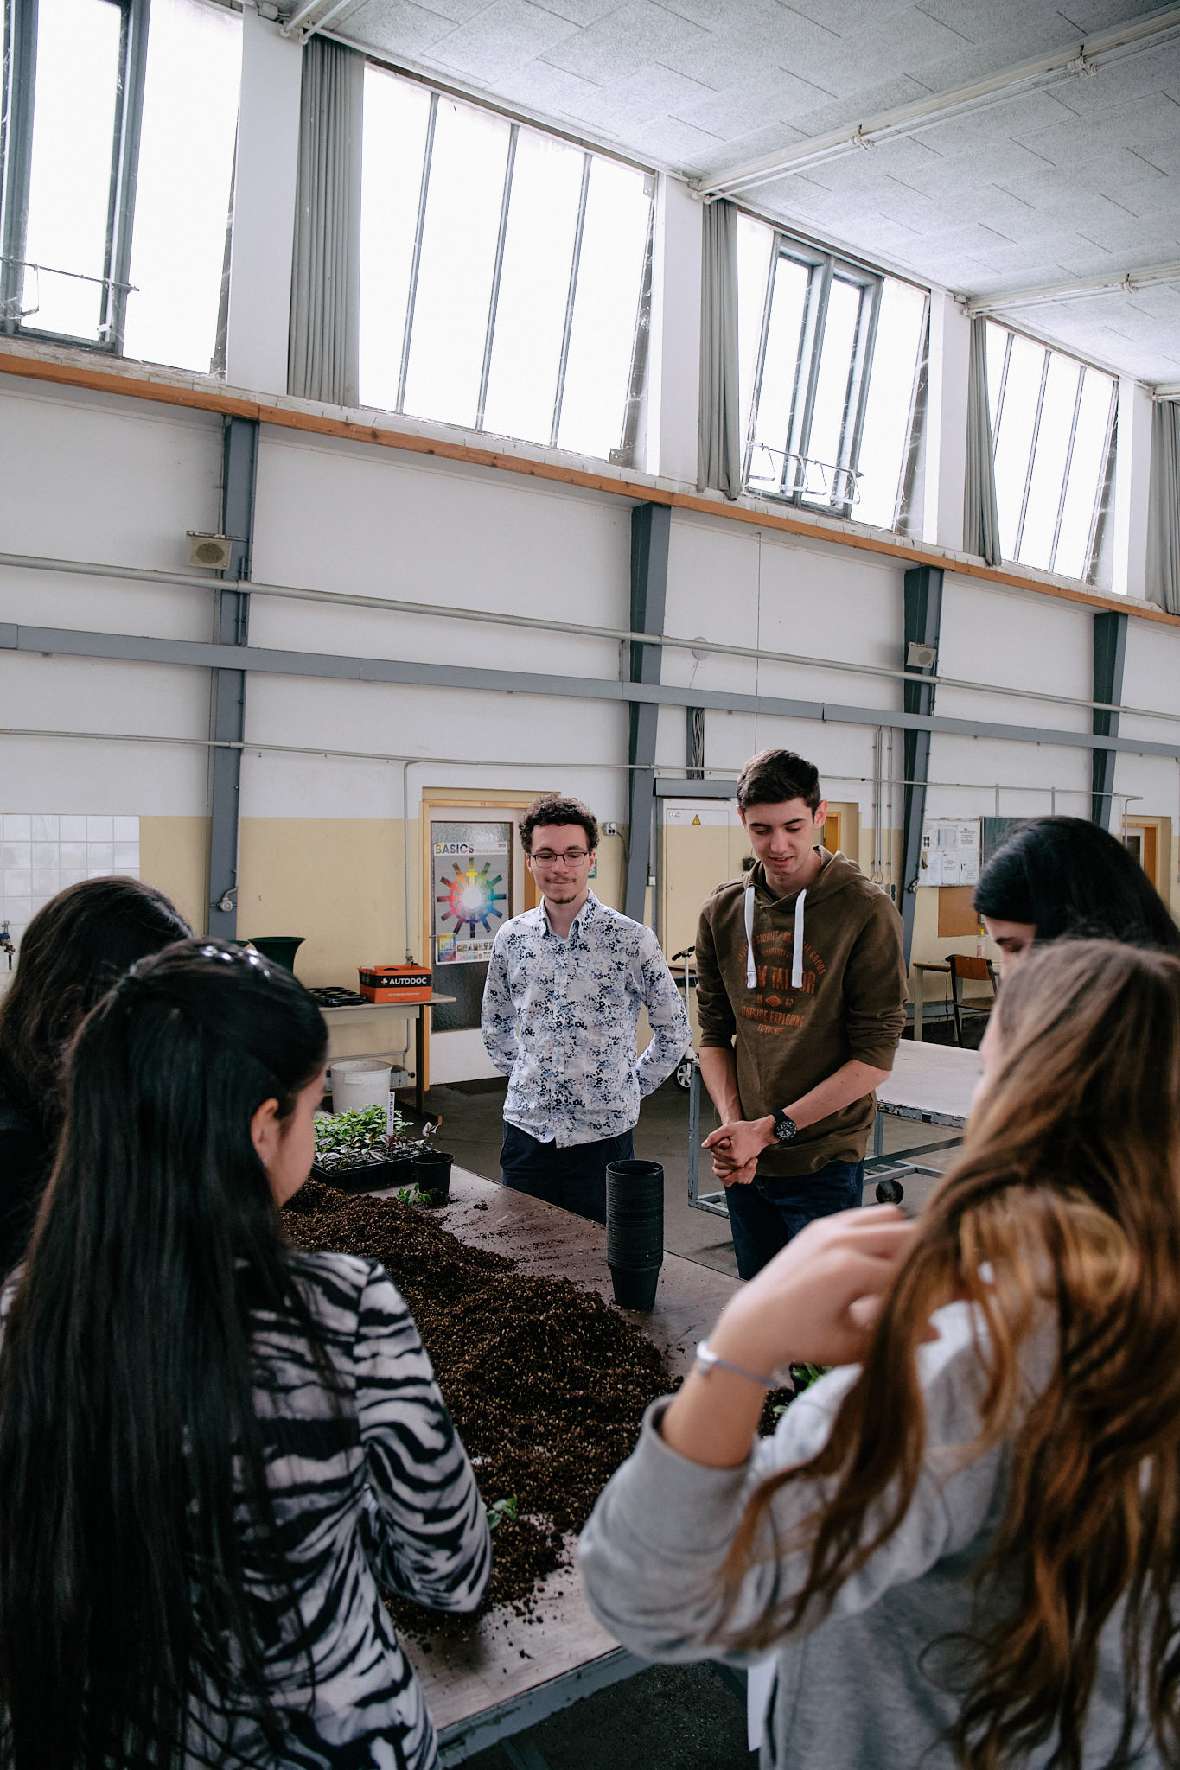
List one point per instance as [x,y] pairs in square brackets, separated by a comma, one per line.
[765,1214]
[574,1178]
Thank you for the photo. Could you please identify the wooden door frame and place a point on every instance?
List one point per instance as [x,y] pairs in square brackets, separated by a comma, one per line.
[1155,835]
[430,800]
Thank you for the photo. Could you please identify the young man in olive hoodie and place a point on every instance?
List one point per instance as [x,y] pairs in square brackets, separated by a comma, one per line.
[801,997]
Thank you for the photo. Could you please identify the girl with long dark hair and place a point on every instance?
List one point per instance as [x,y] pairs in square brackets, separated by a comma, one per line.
[213,1450]
[72,952]
[963,1548]
[1064,877]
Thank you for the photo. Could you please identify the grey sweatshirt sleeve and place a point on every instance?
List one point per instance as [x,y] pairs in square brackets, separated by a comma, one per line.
[652,1553]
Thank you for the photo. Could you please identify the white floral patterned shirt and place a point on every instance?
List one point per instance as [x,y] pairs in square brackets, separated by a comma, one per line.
[559,1019]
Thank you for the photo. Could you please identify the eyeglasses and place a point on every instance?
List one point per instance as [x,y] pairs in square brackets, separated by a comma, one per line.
[571,856]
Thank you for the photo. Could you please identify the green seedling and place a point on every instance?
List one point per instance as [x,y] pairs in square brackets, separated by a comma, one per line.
[411,1195]
[803,1376]
[353,1139]
[501,1511]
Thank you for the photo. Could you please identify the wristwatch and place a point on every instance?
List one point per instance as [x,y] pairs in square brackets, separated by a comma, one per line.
[785,1128]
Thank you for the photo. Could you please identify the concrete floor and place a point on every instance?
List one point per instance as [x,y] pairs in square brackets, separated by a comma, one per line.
[472,1124]
[670,1717]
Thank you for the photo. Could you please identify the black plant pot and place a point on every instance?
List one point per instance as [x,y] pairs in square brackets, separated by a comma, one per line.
[432,1175]
[635,1286]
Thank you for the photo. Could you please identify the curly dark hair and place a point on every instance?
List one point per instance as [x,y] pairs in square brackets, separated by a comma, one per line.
[553,808]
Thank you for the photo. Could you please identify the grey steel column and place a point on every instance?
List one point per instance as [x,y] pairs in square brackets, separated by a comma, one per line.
[1110,658]
[227,715]
[650,528]
[922,626]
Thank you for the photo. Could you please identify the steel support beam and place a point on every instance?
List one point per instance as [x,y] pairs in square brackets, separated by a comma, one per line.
[922,625]
[227,711]
[195,654]
[651,525]
[1110,660]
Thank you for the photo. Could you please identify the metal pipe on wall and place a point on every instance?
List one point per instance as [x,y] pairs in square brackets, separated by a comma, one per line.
[573,629]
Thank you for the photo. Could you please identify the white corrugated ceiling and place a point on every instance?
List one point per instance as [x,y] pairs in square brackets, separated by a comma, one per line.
[1050,186]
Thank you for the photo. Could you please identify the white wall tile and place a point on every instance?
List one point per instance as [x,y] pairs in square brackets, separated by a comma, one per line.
[17,909]
[17,826]
[126,855]
[46,879]
[45,853]
[100,829]
[126,829]
[73,854]
[100,856]
[45,828]
[15,854]
[72,876]
[73,829]
[18,881]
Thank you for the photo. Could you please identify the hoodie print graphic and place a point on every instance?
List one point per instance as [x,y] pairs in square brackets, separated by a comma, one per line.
[787,1037]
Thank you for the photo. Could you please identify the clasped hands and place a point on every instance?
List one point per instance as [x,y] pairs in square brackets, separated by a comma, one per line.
[736,1146]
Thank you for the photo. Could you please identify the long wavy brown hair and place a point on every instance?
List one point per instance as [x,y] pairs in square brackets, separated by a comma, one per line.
[1063,1208]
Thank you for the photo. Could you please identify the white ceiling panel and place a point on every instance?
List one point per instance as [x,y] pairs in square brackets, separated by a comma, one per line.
[1067,183]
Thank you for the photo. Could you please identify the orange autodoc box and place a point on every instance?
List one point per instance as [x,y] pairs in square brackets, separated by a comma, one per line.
[394,983]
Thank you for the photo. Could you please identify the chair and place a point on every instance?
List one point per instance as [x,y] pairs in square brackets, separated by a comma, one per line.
[967,970]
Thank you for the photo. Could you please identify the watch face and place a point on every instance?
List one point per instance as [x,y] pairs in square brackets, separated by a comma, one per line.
[785,1129]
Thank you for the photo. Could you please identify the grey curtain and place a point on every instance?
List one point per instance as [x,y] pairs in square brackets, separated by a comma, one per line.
[719,445]
[323,360]
[981,516]
[1163,508]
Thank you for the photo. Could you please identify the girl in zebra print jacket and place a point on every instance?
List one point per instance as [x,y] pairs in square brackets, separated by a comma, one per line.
[214,1451]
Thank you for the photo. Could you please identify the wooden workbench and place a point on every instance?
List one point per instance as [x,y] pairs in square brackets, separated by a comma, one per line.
[511,1673]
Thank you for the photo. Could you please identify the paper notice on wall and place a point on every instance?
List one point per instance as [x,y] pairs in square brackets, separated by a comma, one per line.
[950,852]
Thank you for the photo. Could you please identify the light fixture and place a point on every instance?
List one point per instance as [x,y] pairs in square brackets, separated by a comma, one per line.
[1044,70]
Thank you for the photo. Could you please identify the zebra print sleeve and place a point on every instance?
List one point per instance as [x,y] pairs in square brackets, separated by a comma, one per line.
[429,1530]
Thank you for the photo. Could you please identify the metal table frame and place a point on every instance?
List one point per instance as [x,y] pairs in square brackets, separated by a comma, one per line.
[417,1009]
[878,1164]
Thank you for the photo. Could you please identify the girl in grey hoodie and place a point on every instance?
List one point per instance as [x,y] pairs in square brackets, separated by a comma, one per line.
[962,1546]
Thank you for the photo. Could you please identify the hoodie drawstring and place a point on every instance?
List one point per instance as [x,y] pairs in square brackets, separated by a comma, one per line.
[797,944]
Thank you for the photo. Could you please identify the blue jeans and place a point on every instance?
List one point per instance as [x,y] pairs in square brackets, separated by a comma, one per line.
[574,1177]
[765,1214]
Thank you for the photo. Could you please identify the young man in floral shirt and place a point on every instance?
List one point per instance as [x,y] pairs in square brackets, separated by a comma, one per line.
[566,982]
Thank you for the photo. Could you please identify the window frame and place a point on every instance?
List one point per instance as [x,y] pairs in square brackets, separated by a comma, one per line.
[1102,478]
[822,268]
[623,454]
[16,155]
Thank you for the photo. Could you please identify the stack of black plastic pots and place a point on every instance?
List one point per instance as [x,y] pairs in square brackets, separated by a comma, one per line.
[635,1231]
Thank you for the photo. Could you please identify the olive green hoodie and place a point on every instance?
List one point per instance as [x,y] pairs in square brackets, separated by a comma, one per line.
[820,981]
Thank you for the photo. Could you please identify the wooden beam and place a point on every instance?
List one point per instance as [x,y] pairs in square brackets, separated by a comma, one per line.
[196,396]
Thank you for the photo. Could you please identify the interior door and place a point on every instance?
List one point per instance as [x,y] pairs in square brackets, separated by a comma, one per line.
[477,880]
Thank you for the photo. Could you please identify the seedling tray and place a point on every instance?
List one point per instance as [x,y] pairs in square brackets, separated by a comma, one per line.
[368,1176]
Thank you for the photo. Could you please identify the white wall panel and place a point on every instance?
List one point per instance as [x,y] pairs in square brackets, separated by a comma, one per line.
[500,740]
[1152,680]
[1019,641]
[68,694]
[346,518]
[96,477]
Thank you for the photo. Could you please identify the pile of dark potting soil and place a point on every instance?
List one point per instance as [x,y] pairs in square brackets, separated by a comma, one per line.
[546,1383]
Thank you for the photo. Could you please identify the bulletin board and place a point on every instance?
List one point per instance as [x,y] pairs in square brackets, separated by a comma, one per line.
[950,851]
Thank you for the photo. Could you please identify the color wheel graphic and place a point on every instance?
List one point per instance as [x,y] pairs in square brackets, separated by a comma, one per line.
[471,898]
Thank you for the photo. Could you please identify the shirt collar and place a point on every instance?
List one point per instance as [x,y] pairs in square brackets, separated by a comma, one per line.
[540,919]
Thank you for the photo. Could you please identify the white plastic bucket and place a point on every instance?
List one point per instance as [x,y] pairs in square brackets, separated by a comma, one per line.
[359,1082]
